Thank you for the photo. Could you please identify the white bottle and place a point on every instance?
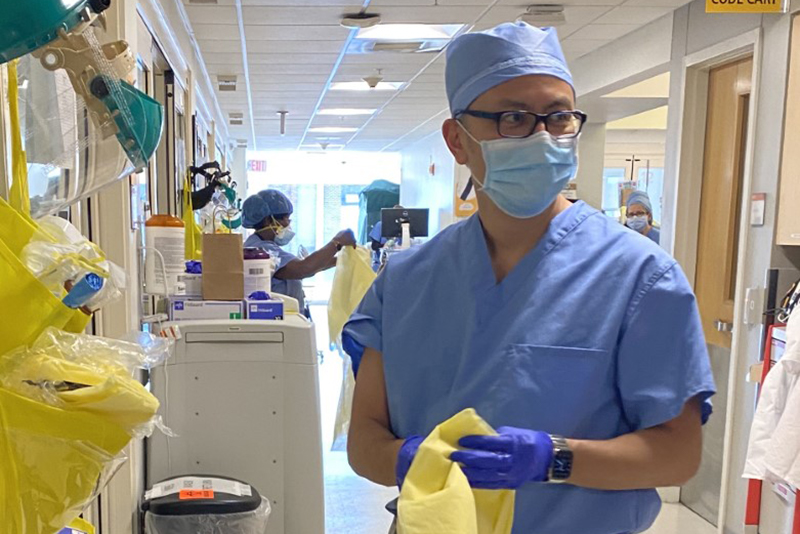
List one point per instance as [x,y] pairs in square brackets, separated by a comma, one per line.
[165,239]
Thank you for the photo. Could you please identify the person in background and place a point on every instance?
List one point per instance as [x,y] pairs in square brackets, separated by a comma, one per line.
[639,215]
[269,213]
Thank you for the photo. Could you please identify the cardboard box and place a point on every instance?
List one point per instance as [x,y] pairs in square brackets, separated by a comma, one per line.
[265,309]
[192,310]
[192,285]
[223,267]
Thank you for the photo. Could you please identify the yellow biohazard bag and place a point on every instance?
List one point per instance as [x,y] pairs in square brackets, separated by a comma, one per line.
[351,280]
[68,407]
[194,234]
[26,306]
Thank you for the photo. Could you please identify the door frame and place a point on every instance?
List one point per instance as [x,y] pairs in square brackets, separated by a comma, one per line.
[689,178]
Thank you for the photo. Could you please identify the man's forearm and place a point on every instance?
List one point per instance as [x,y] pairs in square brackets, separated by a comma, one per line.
[666,455]
[372,452]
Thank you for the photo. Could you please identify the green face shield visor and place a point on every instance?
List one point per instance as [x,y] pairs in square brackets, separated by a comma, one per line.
[60,34]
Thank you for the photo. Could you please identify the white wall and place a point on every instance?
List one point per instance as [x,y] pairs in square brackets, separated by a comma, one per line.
[591,160]
[420,189]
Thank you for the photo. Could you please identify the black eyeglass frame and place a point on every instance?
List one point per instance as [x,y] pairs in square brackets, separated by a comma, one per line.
[496,116]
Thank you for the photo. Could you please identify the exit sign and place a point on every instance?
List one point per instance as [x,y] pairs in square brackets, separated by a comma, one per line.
[257,165]
[745,6]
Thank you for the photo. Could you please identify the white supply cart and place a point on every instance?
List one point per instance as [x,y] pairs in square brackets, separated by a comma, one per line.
[243,399]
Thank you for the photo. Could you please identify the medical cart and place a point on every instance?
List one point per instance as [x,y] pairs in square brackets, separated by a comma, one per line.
[243,398]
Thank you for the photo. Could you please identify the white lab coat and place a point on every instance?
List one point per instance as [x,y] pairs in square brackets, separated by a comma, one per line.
[774,450]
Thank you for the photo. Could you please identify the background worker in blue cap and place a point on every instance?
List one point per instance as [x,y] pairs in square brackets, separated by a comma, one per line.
[269,213]
[639,215]
[579,342]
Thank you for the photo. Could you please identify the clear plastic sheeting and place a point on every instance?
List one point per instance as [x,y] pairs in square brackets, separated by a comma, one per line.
[68,407]
[254,522]
[83,125]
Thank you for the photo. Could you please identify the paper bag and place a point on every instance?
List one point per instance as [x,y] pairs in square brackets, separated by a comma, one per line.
[223,267]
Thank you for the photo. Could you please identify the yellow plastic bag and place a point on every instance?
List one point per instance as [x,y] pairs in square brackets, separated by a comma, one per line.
[81,526]
[19,195]
[436,497]
[26,306]
[352,279]
[194,234]
[68,406]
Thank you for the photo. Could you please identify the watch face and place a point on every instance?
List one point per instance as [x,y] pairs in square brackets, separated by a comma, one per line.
[562,465]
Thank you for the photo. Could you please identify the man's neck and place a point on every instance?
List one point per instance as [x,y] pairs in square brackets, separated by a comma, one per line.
[510,239]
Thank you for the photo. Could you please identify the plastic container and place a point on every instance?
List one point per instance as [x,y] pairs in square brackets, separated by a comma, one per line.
[164,238]
[205,505]
[257,271]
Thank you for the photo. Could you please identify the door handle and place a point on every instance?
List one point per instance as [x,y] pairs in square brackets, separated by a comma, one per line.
[722,326]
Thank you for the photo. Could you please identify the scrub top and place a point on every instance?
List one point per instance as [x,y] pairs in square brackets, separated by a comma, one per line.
[594,334]
[292,288]
[655,235]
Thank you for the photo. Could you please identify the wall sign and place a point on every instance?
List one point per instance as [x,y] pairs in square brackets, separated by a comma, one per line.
[758,206]
[745,6]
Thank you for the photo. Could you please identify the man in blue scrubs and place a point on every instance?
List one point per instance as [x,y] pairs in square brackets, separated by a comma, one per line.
[578,341]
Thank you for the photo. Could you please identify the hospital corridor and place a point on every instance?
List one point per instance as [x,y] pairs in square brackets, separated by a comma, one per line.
[399,267]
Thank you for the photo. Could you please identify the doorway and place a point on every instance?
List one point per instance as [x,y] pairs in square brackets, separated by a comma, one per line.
[726,137]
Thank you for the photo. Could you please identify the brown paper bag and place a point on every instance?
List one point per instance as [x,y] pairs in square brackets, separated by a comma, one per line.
[223,267]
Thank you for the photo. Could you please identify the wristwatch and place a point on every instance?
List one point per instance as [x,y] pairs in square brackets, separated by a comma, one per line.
[561,466]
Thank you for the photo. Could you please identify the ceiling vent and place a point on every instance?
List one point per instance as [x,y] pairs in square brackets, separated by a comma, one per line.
[241,143]
[236,119]
[360,20]
[227,83]
[545,15]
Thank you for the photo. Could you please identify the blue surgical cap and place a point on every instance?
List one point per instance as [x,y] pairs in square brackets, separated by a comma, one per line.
[267,203]
[476,62]
[641,198]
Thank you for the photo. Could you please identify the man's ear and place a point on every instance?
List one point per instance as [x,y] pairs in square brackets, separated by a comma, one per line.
[454,137]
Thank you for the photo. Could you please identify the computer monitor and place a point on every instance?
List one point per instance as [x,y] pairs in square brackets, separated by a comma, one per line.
[393,218]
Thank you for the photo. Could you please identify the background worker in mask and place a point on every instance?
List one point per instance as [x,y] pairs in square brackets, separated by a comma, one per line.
[639,215]
[593,370]
[269,213]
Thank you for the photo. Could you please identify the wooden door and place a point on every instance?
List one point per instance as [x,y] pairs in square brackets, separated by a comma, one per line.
[720,206]
[717,252]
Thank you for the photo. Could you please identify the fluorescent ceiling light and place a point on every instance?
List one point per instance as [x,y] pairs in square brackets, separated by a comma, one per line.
[346,111]
[362,86]
[333,129]
[409,32]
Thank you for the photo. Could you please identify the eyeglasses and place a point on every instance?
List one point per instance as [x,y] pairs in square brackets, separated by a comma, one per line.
[636,213]
[520,124]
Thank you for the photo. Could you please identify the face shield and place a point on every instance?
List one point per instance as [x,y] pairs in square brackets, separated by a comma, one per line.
[80,122]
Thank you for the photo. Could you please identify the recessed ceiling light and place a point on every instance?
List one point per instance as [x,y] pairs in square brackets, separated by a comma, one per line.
[409,32]
[361,86]
[346,111]
[332,129]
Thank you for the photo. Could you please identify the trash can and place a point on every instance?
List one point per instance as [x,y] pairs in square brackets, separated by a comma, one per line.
[205,505]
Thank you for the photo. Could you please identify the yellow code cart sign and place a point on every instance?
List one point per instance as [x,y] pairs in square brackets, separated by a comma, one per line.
[745,6]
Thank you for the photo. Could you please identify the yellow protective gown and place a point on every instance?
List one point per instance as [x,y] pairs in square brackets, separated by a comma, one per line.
[352,279]
[436,497]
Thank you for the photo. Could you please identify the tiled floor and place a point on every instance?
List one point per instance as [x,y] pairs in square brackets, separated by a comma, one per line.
[677,519]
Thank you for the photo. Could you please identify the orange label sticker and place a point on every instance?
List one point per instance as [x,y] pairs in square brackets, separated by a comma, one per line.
[187,495]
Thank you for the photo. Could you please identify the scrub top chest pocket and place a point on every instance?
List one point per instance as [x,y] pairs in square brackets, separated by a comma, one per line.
[557,389]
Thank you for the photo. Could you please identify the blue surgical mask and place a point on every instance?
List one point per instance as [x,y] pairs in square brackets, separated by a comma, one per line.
[524,176]
[638,223]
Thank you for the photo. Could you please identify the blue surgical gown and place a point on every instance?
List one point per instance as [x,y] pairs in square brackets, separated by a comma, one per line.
[594,334]
[292,288]
[654,234]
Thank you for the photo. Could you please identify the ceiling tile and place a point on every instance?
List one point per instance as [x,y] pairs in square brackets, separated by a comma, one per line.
[212,14]
[606,32]
[633,15]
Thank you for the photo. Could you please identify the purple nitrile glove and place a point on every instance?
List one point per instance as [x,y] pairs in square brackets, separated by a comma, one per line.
[406,456]
[507,461]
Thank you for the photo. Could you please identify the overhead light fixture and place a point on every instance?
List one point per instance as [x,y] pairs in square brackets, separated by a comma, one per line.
[409,32]
[360,20]
[361,86]
[544,15]
[346,112]
[333,129]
